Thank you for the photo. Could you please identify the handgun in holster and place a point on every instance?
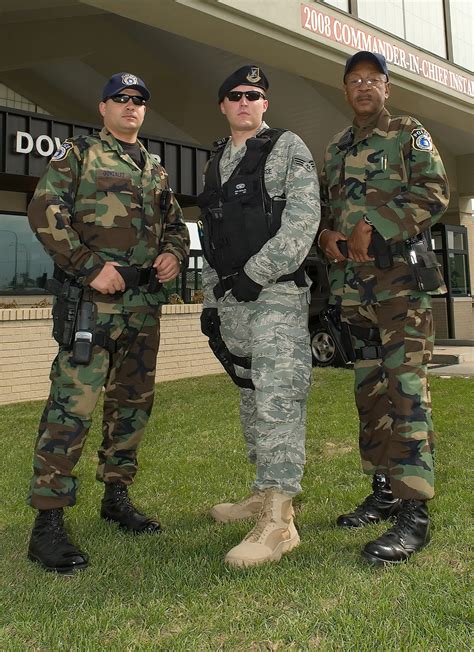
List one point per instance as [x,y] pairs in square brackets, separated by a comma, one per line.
[378,249]
[65,309]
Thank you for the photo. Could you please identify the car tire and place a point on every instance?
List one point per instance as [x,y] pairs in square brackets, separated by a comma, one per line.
[323,349]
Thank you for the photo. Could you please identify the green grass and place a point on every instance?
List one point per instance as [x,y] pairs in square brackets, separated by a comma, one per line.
[173,592]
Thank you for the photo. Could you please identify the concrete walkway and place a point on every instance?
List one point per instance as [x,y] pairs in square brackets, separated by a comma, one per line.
[452,360]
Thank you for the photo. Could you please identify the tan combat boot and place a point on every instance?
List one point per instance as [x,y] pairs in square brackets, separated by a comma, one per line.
[273,534]
[245,509]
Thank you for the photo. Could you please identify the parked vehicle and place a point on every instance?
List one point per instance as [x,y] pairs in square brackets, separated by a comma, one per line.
[323,346]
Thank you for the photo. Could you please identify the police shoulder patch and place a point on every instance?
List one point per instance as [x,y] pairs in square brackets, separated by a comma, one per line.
[62,152]
[421,140]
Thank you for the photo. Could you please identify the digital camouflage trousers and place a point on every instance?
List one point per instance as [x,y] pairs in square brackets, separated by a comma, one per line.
[393,397]
[128,377]
[274,333]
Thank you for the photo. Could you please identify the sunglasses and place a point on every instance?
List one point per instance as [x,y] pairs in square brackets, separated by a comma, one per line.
[123,98]
[251,96]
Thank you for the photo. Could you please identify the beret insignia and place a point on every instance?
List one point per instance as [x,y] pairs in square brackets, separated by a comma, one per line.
[254,75]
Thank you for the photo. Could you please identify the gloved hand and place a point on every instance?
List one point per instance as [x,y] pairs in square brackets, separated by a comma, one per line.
[210,321]
[244,289]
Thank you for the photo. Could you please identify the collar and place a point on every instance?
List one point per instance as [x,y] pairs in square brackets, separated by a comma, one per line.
[379,124]
[109,139]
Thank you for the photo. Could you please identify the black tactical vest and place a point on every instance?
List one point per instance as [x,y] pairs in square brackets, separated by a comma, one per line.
[239,217]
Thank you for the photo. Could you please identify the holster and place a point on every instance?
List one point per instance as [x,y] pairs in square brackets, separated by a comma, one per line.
[74,319]
[65,310]
[227,359]
[423,265]
[372,349]
[379,250]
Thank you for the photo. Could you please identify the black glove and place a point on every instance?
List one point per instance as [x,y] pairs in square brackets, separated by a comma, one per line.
[244,289]
[210,321]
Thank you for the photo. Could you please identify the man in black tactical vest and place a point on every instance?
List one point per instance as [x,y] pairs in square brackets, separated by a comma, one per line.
[260,214]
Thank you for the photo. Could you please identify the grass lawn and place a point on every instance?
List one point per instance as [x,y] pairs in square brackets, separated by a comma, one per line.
[173,592]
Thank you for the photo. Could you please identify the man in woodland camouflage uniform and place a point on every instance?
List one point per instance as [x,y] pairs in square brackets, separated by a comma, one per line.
[104,213]
[384,179]
[261,212]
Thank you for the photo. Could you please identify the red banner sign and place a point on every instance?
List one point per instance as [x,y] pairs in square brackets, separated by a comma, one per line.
[330,27]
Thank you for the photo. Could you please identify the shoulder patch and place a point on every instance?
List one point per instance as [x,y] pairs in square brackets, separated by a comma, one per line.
[62,152]
[421,140]
[307,165]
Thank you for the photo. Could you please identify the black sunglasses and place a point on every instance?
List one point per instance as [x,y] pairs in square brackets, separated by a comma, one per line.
[251,96]
[123,98]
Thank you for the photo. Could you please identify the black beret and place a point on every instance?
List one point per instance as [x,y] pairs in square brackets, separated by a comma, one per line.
[248,76]
[363,55]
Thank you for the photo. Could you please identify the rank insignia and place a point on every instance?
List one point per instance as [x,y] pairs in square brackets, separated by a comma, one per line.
[421,140]
[254,75]
[62,152]
[307,165]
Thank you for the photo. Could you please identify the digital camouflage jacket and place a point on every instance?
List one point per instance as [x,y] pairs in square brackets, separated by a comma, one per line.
[289,173]
[392,173]
[93,204]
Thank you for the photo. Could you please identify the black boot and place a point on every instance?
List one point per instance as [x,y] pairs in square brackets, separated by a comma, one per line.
[117,507]
[50,545]
[379,506]
[410,533]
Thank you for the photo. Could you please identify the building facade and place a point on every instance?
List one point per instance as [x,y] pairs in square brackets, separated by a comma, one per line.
[57,54]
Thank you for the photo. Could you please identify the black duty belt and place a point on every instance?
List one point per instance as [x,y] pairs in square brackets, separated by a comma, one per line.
[133,276]
[228,283]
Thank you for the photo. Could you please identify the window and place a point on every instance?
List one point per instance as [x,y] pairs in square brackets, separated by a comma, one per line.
[24,265]
[462,29]
[16,101]
[343,5]
[451,248]
[424,25]
[386,14]
[420,22]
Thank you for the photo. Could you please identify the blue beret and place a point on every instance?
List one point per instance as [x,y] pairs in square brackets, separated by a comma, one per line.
[248,76]
[363,55]
[122,80]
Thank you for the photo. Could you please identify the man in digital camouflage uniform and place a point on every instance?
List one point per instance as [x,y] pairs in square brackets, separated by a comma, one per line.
[384,176]
[255,288]
[103,205]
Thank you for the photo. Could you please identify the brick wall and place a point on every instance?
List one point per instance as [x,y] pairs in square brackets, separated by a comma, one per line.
[27,350]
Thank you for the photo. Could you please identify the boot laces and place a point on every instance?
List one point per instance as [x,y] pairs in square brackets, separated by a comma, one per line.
[406,519]
[370,501]
[55,525]
[122,497]
[265,517]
